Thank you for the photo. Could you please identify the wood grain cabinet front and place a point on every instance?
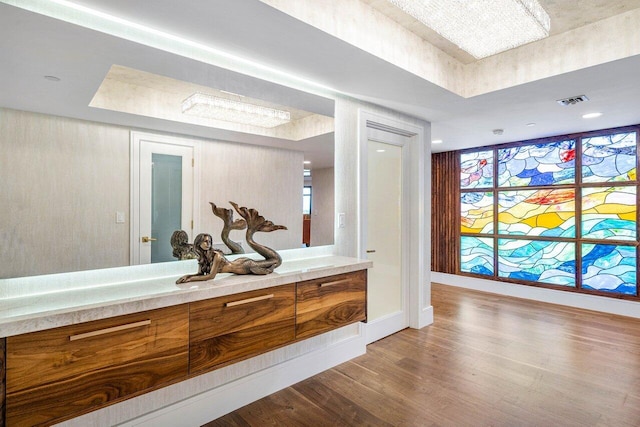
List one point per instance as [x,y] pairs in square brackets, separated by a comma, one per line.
[60,373]
[329,303]
[231,328]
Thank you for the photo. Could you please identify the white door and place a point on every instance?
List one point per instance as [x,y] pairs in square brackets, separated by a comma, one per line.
[165,199]
[385,225]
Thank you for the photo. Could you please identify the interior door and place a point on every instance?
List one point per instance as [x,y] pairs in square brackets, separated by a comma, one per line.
[384,237]
[166,198]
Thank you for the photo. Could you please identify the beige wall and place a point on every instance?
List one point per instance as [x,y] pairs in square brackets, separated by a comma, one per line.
[63,180]
[267,179]
[323,207]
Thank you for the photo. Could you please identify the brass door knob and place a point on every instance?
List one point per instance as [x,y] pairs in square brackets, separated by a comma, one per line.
[147,239]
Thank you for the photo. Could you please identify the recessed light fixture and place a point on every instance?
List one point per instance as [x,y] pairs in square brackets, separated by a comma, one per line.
[481,27]
[380,151]
[498,131]
[52,78]
[531,124]
[591,115]
[436,141]
[228,110]
[307,162]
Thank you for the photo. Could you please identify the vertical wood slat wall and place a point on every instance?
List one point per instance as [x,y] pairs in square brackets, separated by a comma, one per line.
[3,390]
[445,222]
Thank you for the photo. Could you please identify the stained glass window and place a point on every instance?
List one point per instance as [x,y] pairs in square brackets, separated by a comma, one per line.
[523,228]
[609,268]
[537,212]
[476,255]
[538,261]
[539,164]
[476,212]
[476,169]
[609,158]
[609,213]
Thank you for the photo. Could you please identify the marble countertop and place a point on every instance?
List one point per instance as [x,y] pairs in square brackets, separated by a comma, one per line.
[44,302]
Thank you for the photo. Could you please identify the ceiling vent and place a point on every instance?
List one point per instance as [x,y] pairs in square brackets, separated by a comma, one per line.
[573,100]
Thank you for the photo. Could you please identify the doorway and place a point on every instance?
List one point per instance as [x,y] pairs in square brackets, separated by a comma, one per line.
[384,229]
[397,222]
[385,233]
[163,195]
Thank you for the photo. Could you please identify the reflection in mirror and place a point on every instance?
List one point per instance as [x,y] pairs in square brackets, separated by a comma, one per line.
[71,100]
[66,203]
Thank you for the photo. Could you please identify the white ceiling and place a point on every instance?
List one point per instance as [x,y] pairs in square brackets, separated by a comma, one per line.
[33,45]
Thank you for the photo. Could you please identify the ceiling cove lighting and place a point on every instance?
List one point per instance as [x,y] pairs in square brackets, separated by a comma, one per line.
[481,27]
[228,110]
[87,17]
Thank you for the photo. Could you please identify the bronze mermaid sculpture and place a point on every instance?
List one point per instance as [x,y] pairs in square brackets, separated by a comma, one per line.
[212,261]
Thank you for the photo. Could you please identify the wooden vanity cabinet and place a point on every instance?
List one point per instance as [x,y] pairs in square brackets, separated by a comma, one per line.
[60,373]
[235,327]
[330,302]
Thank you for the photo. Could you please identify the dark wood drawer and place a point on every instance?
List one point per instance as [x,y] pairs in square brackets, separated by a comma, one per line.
[328,303]
[64,372]
[231,328]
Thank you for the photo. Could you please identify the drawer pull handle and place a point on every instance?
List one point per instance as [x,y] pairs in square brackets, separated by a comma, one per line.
[335,282]
[248,300]
[109,330]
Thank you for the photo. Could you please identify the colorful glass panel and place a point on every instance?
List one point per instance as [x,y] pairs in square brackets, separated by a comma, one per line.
[548,213]
[609,268]
[476,255]
[609,158]
[538,261]
[476,169]
[609,213]
[539,164]
[476,212]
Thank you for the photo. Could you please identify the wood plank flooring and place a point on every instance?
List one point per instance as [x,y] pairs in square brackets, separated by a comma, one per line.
[487,360]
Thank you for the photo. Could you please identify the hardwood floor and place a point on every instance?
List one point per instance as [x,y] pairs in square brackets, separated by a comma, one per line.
[487,360]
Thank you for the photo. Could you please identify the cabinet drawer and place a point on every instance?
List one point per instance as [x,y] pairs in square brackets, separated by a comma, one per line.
[328,303]
[238,326]
[63,372]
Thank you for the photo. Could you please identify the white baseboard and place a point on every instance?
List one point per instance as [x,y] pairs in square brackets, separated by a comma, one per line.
[212,404]
[572,299]
[385,326]
[426,317]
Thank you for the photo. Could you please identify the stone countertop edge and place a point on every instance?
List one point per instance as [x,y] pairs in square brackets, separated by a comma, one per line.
[189,292]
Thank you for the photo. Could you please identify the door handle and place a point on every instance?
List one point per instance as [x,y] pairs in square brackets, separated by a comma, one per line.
[146,239]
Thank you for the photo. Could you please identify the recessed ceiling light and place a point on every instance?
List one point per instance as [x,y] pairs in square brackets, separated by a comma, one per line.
[213,107]
[436,141]
[52,78]
[498,131]
[591,115]
[531,124]
[307,162]
[380,151]
[481,27]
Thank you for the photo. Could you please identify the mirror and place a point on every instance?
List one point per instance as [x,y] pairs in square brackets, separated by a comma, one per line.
[66,163]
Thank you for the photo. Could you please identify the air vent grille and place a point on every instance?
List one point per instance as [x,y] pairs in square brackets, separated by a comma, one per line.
[573,100]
